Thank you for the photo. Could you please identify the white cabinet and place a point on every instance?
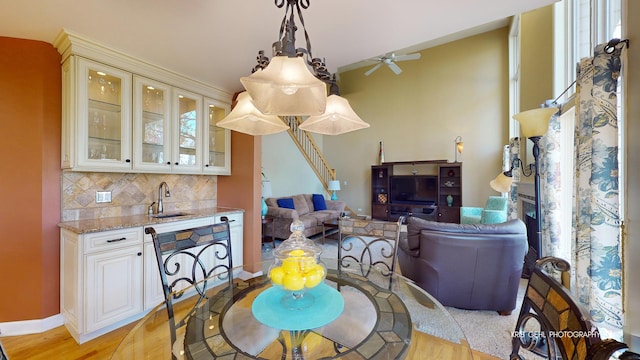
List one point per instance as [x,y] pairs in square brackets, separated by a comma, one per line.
[101,280]
[97,133]
[217,152]
[110,278]
[114,280]
[121,114]
[151,125]
[186,132]
[237,236]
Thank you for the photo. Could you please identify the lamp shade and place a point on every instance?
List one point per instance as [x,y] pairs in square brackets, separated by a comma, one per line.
[535,122]
[286,87]
[334,185]
[502,183]
[245,118]
[338,118]
[266,189]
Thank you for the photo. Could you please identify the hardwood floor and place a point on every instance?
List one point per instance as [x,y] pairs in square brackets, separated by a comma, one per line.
[58,344]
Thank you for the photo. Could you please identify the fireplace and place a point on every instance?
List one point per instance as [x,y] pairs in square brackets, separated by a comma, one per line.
[527,207]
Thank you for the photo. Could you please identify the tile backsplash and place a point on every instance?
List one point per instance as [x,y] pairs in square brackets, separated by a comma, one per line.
[131,194]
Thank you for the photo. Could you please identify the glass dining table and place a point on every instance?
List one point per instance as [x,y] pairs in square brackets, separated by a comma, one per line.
[373,317]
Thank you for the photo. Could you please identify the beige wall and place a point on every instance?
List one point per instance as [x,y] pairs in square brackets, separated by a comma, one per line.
[536,58]
[460,88]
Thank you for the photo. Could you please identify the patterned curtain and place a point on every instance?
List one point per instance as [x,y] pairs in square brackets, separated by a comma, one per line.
[597,247]
[550,189]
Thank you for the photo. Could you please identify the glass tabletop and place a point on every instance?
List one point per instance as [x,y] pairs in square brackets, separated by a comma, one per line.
[382,318]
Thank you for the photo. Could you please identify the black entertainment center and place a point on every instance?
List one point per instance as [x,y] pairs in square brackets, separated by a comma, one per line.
[434,195]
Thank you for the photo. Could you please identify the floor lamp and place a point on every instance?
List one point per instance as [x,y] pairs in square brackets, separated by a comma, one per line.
[534,124]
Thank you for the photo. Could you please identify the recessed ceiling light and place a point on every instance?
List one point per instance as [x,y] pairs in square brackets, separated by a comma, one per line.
[101,73]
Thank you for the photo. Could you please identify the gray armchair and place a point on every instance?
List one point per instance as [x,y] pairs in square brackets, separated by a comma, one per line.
[467,266]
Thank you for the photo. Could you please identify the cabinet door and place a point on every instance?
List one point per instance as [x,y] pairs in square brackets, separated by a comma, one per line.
[153,294]
[217,144]
[151,124]
[187,133]
[103,123]
[113,282]
[236,232]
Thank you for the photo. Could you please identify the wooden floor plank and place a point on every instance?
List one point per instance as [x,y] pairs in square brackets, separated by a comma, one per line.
[58,344]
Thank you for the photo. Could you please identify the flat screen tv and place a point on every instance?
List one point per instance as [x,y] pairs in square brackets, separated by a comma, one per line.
[414,189]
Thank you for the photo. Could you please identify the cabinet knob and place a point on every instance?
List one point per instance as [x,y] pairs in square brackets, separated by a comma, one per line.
[168,162]
[176,163]
[139,254]
[207,165]
[128,160]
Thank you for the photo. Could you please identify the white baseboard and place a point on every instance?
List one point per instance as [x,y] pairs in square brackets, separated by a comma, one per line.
[633,342]
[24,327]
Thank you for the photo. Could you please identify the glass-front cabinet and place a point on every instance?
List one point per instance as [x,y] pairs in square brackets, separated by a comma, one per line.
[103,116]
[217,154]
[122,114]
[187,132]
[151,124]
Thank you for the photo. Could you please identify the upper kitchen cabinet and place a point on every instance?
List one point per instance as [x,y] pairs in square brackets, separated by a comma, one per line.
[151,125]
[122,114]
[217,152]
[99,116]
[187,132]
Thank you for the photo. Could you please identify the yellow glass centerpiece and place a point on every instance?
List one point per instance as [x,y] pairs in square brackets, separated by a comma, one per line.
[297,267]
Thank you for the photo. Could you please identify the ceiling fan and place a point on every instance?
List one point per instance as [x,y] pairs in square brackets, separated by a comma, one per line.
[390,61]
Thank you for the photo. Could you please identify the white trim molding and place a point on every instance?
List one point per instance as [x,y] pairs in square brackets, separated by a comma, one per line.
[12,328]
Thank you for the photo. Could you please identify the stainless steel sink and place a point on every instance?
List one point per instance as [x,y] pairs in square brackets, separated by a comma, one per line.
[169,215]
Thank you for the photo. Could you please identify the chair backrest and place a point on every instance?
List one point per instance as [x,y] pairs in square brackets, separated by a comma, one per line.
[369,243]
[192,257]
[565,329]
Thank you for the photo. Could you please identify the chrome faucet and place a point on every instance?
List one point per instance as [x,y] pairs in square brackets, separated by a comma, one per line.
[166,193]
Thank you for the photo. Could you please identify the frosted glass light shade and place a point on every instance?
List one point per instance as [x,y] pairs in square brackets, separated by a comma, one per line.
[334,185]
[535,122]
[338,118]
[245,118]
[502,183]
[286,87]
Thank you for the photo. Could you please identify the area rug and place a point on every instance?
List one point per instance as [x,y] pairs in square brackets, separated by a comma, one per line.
[486,331]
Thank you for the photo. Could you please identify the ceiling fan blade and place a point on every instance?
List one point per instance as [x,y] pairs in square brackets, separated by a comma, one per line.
[370,71]
[414,56]
[395,68]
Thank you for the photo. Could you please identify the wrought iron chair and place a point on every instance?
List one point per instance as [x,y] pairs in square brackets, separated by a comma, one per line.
[194,258]
[560,328]
[369,244]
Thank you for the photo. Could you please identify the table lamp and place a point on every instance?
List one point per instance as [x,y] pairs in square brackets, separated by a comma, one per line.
[334,185]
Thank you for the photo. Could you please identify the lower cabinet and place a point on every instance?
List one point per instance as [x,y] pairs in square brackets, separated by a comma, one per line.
[114,280]
[101,278]
[111,278]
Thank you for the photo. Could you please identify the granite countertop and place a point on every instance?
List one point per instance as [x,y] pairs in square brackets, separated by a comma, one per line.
[122,222]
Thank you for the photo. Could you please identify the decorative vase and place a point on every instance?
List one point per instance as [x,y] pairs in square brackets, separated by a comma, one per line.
[297,268]
[381,154]
[449,200]
[264,208]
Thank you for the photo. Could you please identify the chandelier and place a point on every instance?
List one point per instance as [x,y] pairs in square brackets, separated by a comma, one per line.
[291,83]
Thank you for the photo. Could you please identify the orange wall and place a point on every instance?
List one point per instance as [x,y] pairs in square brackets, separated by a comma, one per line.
[243,190]
[30,99]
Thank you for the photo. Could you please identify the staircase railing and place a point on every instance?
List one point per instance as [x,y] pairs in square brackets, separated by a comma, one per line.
[309,149]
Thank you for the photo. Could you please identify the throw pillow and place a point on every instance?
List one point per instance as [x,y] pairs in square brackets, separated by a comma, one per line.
[286,203]
[318,202]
